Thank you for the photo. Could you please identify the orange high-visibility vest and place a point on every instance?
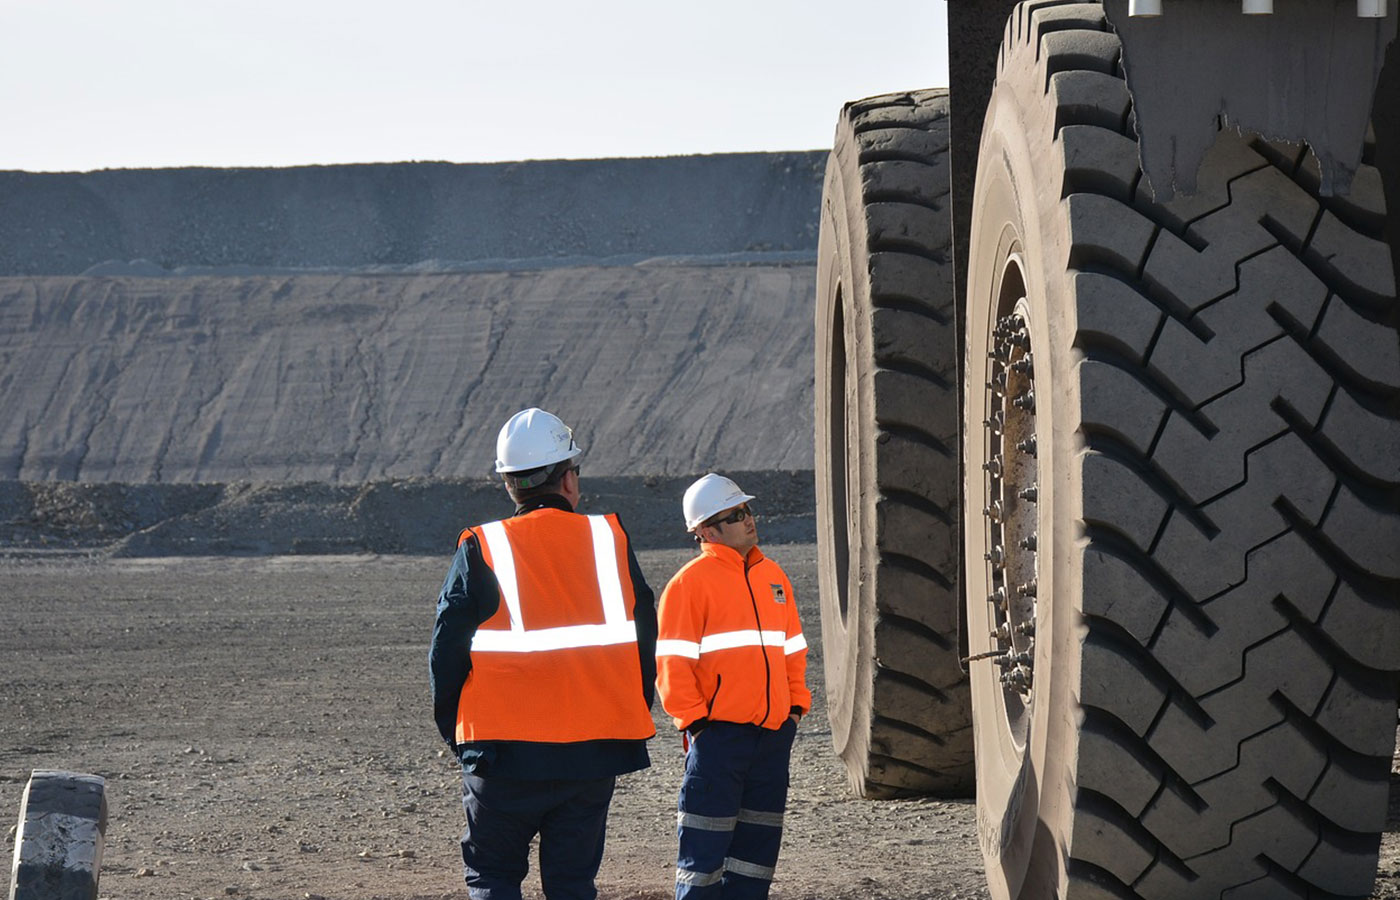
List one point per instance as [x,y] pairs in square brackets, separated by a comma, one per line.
[558,660]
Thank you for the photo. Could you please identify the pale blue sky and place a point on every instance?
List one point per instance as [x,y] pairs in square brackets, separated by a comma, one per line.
[90,84]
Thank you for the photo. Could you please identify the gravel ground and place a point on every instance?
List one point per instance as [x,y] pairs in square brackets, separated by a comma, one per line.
[264,727]
[265,730]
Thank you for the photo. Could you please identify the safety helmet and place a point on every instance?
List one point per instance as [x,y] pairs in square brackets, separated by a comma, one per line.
[710,495]
[533,438]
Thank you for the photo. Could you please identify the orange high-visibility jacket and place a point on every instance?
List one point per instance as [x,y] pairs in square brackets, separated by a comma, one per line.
[557,662]
[730,645]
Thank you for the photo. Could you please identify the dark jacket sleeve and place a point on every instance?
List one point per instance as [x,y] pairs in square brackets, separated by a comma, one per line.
[469,596]
[644,617]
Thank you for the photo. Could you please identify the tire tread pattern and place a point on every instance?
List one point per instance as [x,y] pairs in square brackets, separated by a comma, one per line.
[1241,399]
[919,730]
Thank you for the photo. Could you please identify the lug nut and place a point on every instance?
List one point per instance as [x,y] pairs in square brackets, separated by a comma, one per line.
[1027,446]
[1029,493]
[1019,678]
[995,556]
[993,466]
[1026,589]
[1022,366]
[998,597]
[1028,543]
[1025,400]
[1027,627]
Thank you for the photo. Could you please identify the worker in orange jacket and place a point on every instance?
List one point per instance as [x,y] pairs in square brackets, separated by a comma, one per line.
[731,668]
[542,668]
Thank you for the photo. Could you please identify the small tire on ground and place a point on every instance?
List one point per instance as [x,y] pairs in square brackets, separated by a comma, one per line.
[887,452]
[1209,536]
[58,844]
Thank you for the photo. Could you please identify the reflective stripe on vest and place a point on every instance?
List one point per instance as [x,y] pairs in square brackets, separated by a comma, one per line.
[728,640]
[615,629]
[556,660]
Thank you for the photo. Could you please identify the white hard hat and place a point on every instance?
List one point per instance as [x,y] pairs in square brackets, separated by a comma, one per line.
[710,495]
[533,438]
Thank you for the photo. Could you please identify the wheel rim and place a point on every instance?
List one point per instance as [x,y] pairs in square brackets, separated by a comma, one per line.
[842,458]
[1010,491]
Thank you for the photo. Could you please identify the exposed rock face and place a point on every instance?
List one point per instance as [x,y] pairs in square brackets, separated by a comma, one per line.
[348,379]
[318,359]
[343,217]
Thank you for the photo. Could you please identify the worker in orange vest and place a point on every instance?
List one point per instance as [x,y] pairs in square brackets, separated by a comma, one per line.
[542,667]
[732,664]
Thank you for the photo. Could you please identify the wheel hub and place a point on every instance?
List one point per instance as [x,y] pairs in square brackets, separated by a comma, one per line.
[1011,494]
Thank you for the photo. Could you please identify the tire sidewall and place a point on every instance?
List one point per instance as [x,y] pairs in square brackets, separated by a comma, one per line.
[1023,793]
[842,264]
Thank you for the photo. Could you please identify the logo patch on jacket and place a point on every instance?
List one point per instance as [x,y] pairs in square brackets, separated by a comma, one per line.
[778,594]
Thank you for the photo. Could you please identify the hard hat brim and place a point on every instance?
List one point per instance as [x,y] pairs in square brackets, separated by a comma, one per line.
[730,503]
[504,469]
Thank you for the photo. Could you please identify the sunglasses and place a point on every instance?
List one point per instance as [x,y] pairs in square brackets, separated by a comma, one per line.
[733,518]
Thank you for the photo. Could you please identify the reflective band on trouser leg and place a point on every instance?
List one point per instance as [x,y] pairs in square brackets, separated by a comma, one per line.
[755,817]
[748,869]
[707,823]
[711,794]
[687,878]
[758,835]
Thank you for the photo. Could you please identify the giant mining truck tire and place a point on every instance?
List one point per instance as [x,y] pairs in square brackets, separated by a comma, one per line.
[58,843]
[887,452]
[1183,452]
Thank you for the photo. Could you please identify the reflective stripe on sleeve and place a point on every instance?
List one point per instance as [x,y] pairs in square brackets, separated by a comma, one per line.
[743,867]
[728,640]
[707,823]
[688,649]
[794,644]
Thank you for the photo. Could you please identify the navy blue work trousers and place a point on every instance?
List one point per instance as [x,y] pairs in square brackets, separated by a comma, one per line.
[730,823]
[505,814]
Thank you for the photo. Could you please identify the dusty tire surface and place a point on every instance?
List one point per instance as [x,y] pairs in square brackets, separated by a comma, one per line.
[886,449]
[1200,533]
[58,842]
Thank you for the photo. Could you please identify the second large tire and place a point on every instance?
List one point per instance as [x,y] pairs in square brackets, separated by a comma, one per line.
[1183,444]
[886,451]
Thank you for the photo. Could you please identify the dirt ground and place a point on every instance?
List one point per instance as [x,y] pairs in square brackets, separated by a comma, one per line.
[264,727]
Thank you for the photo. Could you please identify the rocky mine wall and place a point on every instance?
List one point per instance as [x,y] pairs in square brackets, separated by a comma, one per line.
[426,215]
[363,327]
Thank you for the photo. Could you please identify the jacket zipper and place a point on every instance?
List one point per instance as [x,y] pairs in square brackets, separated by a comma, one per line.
[719,679]
[767,669]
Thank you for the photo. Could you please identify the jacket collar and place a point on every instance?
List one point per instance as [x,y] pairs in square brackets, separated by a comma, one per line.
[544,501]
[730,556]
